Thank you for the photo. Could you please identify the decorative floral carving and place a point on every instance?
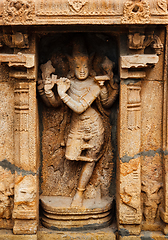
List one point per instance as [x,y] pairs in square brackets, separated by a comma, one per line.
[136,12]
[77,5]
[18,11]
[162,6]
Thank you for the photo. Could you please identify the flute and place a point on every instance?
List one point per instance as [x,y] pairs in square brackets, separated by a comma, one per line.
[99,79]
[53,79]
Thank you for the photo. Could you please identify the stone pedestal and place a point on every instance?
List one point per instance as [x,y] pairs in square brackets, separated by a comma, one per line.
[59,215]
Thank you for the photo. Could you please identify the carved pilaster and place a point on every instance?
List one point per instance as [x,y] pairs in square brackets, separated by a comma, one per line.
[25,198]
[21,125]
[25,212]
[129,164]
[129,204]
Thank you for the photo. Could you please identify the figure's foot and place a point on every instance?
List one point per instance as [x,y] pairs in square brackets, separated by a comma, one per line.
[77,200]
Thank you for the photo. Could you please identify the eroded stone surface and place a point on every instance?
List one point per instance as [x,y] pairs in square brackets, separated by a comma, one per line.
[145,235]
[142,117]
[106,233]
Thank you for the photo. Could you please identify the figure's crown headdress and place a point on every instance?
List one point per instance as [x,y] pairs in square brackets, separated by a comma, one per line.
[79,46]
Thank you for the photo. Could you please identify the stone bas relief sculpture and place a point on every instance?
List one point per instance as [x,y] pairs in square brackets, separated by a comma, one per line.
[133,33]
[87,144]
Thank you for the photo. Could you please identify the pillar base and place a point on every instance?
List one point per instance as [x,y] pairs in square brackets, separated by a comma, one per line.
[144,236]
[25,227]
[8,235]
[60,216]
[131,229]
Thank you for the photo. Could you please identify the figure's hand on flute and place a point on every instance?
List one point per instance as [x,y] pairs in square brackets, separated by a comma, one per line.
[63,85]
[48,84]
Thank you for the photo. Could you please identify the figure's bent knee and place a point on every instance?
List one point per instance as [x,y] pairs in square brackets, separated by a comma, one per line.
[69,156]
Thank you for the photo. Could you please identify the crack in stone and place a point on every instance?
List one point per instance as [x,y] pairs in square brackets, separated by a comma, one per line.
[5,164]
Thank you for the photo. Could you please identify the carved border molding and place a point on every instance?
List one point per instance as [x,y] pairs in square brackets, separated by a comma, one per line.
[27,12]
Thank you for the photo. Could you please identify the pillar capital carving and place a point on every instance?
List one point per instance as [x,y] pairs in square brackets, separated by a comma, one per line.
[14,39]
[132,66]
[139,40]
[17,61]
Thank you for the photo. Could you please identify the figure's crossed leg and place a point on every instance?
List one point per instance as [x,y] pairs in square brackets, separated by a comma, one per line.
[85,176]
[75,147]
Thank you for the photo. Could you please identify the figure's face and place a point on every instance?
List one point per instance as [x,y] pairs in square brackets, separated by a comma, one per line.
[81,67]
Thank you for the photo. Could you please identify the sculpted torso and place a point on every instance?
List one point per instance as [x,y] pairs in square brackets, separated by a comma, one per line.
[87,130]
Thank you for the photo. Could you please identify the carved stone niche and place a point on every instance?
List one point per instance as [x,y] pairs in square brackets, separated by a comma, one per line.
[78,86]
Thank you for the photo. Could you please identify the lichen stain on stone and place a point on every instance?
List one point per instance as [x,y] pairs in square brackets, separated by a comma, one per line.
[150,153]
[123,232]
[147,238]
[5,164]
[126,82]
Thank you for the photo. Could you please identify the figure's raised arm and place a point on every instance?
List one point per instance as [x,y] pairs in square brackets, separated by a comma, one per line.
[46,85]
[109,92]
[50,94]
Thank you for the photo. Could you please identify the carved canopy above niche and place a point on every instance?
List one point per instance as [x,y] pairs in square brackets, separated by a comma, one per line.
[39,12]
